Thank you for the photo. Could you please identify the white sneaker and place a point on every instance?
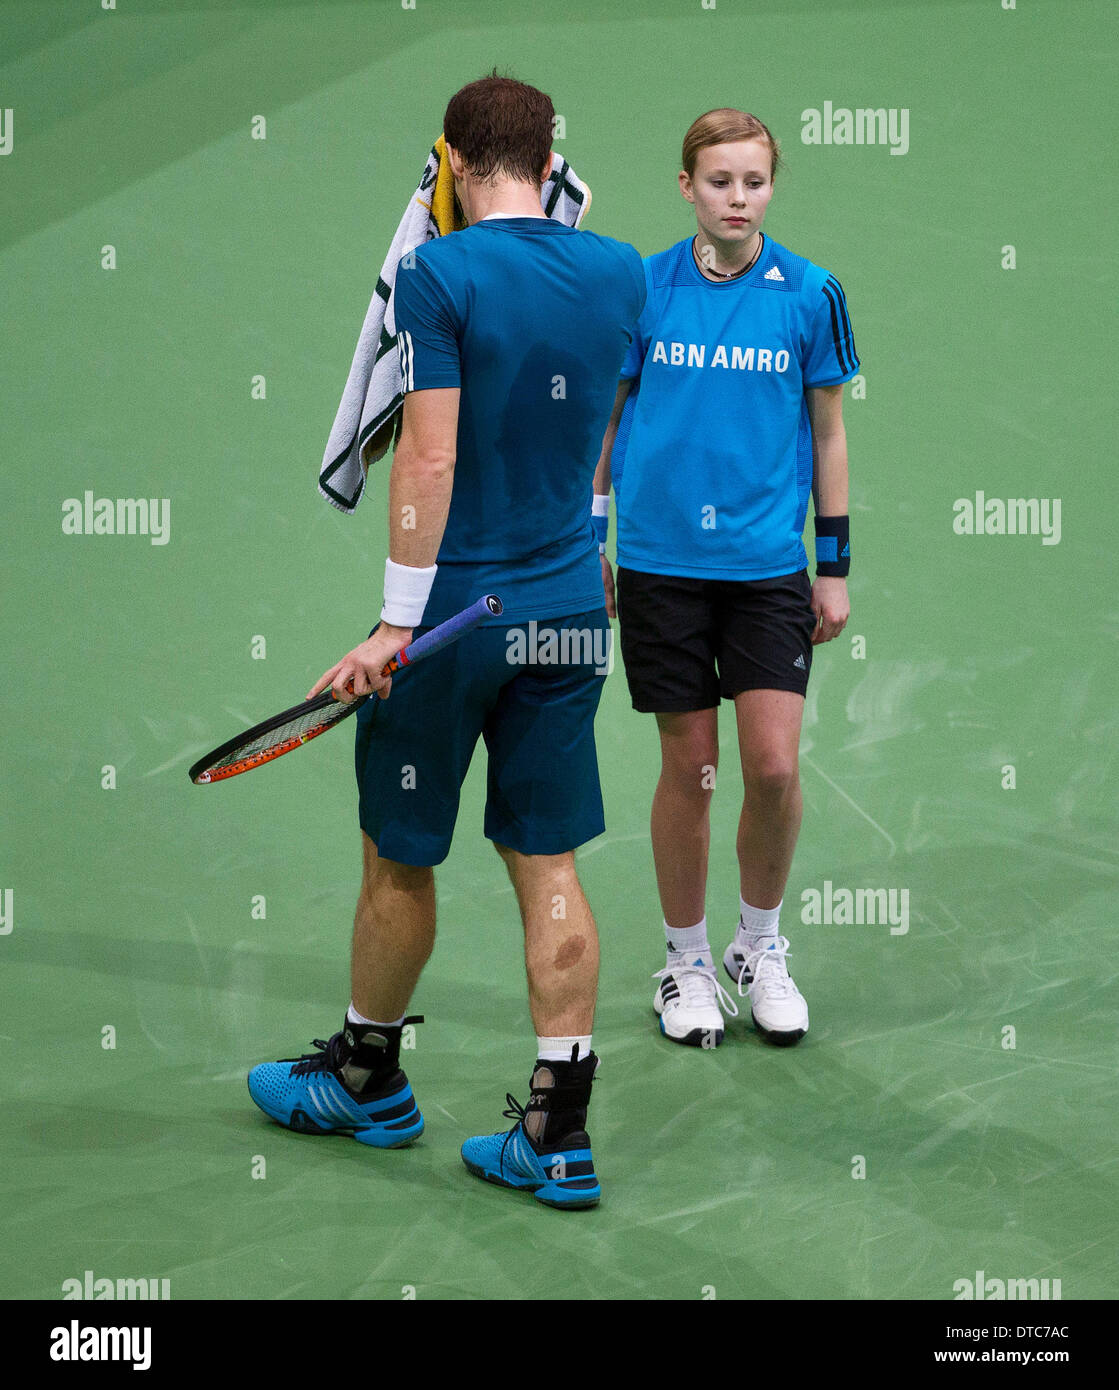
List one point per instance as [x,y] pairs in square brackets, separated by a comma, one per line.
[688,1000]
[778,1007]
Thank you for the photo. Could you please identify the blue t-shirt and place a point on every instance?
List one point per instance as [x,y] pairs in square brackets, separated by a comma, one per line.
[718,460]
[531,320]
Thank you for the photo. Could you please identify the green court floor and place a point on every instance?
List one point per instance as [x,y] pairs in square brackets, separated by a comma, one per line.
[953,1107]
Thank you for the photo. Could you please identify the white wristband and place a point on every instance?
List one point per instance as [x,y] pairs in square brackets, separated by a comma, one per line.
[406,593]
[600,518]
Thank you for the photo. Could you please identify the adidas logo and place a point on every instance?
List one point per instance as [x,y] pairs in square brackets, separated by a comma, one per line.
[773,274]
[846,551]
[799,662]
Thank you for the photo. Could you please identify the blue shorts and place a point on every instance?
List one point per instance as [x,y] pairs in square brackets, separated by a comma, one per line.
[531,690]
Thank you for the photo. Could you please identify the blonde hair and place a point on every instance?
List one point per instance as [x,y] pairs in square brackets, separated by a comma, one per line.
[722,126]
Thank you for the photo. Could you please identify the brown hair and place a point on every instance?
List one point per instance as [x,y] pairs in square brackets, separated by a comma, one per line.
[501,127]
[721,127]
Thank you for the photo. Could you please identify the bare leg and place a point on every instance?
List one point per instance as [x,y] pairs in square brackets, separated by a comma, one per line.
[561,942]
[681,822]
[561,962]
[768,740]
[394,933]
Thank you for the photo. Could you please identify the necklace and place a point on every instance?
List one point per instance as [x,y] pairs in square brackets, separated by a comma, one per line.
[733,274]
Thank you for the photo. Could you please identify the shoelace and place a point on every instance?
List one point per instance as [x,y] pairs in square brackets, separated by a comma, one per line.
[326,1059]
[767,965]
[513,1111]
[331,1055]
[692,993]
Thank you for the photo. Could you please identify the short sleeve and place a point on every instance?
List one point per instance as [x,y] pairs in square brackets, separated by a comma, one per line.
[634,358]
[426,329]
[639,340]
[830,356]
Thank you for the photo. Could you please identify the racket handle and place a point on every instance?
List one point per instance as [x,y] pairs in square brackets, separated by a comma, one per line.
[489,606]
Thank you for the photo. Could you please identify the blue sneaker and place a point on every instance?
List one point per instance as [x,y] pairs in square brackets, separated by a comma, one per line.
[558,1171]
[559,1176]
[308,1095]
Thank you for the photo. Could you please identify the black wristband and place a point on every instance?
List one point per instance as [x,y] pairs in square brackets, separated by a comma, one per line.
[833,545]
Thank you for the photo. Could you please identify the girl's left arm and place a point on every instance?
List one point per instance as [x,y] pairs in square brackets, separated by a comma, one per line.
[829,495]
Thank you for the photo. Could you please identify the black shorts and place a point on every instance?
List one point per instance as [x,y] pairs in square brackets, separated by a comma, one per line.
[686,643]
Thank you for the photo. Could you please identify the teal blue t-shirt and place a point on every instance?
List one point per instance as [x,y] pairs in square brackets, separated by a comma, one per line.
[713,478]
[531,320]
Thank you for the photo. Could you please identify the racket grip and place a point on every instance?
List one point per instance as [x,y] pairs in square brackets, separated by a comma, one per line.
[489,606]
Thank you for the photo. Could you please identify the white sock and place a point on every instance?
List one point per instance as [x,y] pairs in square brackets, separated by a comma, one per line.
[559,1049]
[754,922]
[689,941]
[352,1016]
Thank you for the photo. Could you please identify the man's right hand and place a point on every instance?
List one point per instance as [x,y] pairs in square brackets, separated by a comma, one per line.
[608,588]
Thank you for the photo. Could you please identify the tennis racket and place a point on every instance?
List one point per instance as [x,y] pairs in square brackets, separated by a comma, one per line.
[294,727]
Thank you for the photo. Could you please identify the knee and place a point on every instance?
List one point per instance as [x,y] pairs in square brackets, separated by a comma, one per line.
[390,876]
[771,776]
[690,772]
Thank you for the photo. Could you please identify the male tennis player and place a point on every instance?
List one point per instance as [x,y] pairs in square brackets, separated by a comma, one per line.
[739,363]
[511,335]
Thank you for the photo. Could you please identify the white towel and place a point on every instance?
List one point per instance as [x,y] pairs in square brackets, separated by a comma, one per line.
[364,425]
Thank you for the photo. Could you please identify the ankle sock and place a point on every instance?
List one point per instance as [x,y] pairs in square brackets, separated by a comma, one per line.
[755,922]
[560,1049]
[689,942]
[352,1016]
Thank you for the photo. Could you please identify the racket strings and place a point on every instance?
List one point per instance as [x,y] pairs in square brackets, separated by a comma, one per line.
[298,729]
